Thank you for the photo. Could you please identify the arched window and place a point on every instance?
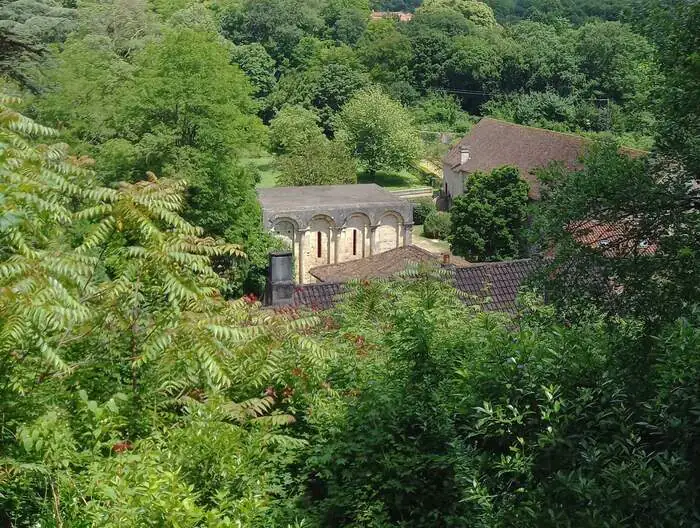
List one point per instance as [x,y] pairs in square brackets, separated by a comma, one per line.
[354,242]
[319,251]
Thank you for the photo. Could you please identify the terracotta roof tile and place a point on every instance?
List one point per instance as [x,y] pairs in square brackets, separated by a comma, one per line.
[618,239]
[382,265]
[321,296]
[499,281]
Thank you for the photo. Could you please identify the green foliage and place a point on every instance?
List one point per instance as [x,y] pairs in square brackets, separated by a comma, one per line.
[378,131]
[257,65]
[422,208]
[437,225]
[177,108]
[278,25]
[446,416]
[293,129]
[488,220]
[121,360]
[674,28]
[385,51]
[321,162]
[640,204]
[26,28]
[479,13]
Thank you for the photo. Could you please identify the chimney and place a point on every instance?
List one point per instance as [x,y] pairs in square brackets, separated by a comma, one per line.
[464,154]
[445,259]
[280,279]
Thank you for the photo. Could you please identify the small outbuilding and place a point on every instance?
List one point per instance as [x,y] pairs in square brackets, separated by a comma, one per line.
[331,224]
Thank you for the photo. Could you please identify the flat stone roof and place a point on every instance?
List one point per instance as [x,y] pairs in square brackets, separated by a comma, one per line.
[325,196]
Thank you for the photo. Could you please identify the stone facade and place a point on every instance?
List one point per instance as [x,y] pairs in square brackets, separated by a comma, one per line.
[336,223]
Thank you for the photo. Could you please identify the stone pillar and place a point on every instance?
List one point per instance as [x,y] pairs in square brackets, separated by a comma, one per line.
[372,236]
[302,250]
[407,234]
[337,233]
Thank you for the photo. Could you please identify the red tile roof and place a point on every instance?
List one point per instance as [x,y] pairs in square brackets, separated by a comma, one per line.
[317,297]
[619,239]
[382,265]
[493,143]
[496,282]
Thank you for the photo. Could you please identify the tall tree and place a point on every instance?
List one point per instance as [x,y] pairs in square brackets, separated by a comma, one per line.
[378,130]
[624,234]
[488,220]
[674,26]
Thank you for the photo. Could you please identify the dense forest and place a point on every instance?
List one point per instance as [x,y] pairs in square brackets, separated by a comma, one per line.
[142,383]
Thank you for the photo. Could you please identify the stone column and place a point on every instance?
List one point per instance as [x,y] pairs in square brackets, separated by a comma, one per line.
[302,249]
[337,233]
[372,236]
[407,234]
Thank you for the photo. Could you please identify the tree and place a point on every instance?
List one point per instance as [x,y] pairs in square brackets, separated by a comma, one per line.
[257,65]
[347,19]
[120,361]
[318,163]
[385,51]
[489,218]
[647,211]
[476,63]
[378,131]
[26,28]
[542,58]
[477,12]
[278,25]
[617,62]
[293,129]
[673,26]
[437,225]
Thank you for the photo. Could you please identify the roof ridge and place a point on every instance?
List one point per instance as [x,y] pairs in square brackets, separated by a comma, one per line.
[570,134]
[497,263]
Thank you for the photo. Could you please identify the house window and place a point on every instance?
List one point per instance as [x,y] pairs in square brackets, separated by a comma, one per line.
[354,242]
[319,252]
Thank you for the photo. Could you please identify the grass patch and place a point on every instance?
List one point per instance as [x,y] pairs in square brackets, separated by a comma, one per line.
[265,167]
[392,180]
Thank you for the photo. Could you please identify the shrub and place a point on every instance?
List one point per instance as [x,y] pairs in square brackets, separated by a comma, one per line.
[437,225]
[422,208]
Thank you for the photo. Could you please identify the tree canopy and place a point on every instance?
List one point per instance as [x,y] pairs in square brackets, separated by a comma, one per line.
[378,130]
[143,384]
[489,219]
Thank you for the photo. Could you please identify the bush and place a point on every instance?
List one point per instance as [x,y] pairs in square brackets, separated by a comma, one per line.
[422,208]
[437,225]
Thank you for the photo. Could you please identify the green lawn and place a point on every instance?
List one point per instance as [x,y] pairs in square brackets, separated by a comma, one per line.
[392,180]
[266,166]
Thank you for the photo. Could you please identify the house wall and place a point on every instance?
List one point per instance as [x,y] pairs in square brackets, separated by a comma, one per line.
[453,183]
[373,229]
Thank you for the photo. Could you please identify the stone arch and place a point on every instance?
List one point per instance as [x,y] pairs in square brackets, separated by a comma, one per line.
[320,241]
[388,233]
[354,238]
[286,229]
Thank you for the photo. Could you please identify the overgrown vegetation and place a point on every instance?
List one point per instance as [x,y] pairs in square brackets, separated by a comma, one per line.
[139,388]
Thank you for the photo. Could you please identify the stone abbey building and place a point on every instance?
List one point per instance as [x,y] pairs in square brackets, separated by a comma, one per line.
[331,224]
